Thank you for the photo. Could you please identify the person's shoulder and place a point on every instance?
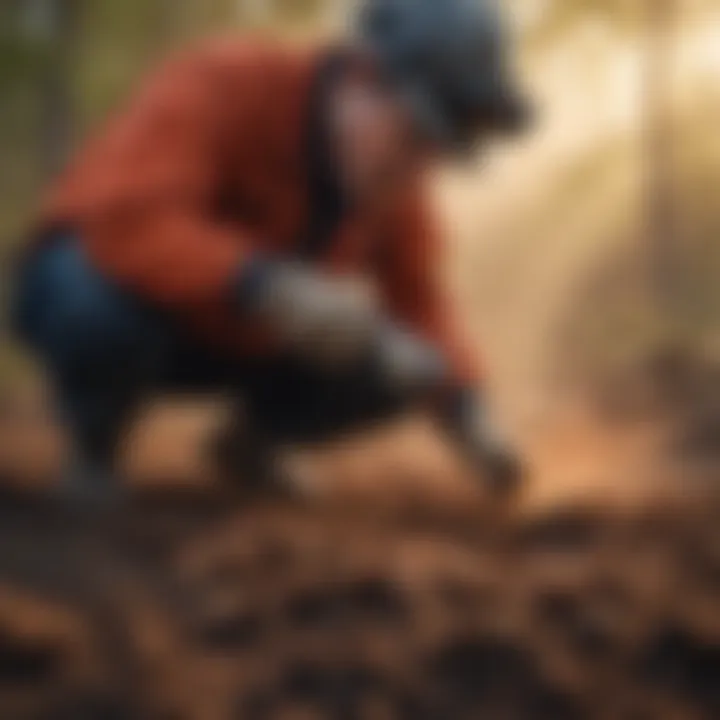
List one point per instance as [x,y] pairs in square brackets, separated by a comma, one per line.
[240,55]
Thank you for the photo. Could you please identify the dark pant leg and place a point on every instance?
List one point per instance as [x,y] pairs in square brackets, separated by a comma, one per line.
[101,347]
[105,350]
[291,402]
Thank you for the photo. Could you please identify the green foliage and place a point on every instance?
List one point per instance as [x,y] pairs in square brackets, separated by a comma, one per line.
[21,53]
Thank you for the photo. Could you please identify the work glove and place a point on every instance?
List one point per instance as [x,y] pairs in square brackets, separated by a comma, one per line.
[481,440]
[418,372]
[409,365]
[328,320]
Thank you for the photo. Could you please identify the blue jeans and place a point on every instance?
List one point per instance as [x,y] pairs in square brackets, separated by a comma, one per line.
[106,350]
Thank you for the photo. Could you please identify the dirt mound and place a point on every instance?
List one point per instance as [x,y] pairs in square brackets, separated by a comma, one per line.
[190,608]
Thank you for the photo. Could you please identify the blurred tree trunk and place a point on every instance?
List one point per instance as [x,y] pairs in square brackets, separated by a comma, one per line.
[62,19]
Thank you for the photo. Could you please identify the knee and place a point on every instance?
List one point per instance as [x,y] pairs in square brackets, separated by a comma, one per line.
[71,316]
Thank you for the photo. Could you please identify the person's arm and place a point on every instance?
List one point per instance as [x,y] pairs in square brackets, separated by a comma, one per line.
[150,217]
[411,282]
[413,295]
[150,222]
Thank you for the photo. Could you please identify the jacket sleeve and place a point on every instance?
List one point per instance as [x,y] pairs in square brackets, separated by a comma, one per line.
[413,289]
[157,171]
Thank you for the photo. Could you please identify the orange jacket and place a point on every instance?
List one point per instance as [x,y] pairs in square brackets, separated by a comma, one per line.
[209,164]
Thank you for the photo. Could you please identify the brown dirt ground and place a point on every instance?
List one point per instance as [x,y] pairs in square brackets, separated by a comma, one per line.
[404,597]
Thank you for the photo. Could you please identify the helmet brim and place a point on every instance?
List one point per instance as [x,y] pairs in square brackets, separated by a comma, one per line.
[508,114]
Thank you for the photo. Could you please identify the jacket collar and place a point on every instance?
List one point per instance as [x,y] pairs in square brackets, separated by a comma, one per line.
[327,202]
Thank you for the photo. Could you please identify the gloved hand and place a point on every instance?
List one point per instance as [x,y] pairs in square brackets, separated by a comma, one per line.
[415,370]
[412,367]
[483,443]
[331,321]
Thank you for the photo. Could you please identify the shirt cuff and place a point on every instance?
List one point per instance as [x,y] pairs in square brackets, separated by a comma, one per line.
[250,282]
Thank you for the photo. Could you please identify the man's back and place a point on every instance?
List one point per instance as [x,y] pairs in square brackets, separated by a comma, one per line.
[208,151]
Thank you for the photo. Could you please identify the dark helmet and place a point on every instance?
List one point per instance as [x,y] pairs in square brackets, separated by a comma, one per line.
[449,59]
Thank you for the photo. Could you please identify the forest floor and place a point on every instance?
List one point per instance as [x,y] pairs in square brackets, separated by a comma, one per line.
[400,591]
